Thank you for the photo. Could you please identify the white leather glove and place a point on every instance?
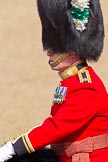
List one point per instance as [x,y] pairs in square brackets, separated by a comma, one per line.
[6,152]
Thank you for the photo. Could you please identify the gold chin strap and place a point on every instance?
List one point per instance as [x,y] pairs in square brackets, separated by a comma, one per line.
[70,71]
[59,59]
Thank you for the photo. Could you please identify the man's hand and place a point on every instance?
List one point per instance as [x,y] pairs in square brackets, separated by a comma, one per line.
[6,152]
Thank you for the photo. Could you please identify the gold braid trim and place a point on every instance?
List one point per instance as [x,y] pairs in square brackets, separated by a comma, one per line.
[27,143]
[70,71]
[59,59]
[85,78]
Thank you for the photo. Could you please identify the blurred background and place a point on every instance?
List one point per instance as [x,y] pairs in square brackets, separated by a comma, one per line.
[26,81]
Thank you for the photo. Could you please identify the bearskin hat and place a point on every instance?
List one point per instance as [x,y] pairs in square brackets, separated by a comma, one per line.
[59,33]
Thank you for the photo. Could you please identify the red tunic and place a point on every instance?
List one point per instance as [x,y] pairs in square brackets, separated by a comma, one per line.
[83,113]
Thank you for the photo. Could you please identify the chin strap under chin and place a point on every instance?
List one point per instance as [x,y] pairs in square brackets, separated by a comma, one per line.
[59,59]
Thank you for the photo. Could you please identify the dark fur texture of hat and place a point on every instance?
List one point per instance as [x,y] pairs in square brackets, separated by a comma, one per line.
[60,35]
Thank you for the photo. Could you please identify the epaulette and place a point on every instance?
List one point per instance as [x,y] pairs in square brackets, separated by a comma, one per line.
[84,76]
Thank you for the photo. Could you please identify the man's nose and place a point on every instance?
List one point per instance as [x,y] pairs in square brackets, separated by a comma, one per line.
[49,53]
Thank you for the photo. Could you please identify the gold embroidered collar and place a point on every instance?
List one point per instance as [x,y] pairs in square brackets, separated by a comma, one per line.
[72,70]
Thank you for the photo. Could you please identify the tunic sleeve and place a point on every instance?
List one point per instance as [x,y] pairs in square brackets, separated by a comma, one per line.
[74,113]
